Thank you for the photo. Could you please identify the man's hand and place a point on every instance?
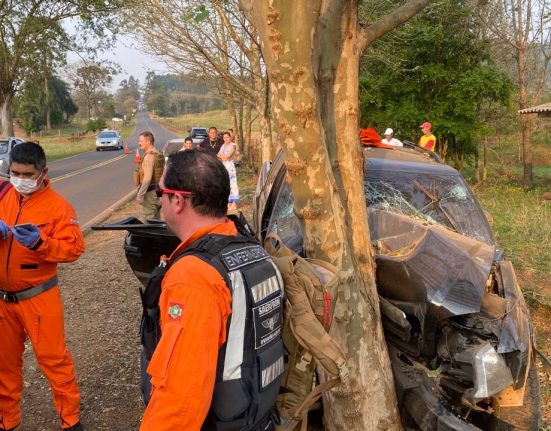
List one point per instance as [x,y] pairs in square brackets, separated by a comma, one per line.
[27,235]
[4,229]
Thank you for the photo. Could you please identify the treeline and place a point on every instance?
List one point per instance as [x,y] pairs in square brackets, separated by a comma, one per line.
[171,95]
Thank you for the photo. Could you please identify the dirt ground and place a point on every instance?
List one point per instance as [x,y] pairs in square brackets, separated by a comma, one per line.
[102,314]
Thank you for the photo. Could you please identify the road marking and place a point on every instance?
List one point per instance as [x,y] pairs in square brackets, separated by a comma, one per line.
[89,168]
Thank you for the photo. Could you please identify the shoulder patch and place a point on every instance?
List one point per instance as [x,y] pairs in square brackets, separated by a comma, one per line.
[243,256]
[175,311]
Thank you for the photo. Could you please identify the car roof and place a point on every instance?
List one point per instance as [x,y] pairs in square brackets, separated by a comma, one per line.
[404,159]
[108,131]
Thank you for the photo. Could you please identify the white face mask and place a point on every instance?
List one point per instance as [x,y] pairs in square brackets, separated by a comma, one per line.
[26,186]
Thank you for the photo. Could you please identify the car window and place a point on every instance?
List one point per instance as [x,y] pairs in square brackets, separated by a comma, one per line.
[107,135]
[4,147]
[442,200]
[283,220]
[199,132]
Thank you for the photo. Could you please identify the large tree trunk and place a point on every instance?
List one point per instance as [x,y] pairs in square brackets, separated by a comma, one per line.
[48,105]
[7,121]
[262,97]
[326,177]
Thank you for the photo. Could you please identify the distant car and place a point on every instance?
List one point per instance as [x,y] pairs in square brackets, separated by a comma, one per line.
[173,145]
[109,139]
[198,134]
[6,145]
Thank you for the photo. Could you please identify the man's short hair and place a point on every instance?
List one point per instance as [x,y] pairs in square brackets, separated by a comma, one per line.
[212,128]
[203,174]
[28,153]
[188,139]
[149,136]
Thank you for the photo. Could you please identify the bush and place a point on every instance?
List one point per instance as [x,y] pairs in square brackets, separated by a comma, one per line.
[97,124]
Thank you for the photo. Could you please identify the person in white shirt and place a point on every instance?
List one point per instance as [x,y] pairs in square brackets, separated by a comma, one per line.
[389,140]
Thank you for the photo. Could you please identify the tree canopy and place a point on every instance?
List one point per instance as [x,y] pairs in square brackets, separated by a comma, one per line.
[435,68]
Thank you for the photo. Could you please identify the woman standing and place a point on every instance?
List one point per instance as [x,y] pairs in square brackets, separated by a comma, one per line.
[227,155]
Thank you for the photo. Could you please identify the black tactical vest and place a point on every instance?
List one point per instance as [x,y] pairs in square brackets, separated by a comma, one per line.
[250,363]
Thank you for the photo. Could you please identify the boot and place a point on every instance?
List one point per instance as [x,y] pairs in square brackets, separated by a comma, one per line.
[76,427]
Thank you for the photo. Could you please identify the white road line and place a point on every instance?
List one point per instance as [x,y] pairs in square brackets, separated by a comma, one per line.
[89,168]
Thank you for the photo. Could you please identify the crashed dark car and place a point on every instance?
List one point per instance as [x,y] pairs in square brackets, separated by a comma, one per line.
[456,324]
[457,327]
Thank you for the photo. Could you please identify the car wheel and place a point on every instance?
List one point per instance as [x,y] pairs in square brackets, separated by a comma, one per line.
[526,417]
[97,149]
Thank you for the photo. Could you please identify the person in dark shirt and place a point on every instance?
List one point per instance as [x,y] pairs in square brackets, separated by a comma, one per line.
[213,142]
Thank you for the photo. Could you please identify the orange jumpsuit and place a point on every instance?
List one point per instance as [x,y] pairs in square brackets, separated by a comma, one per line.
[39,318]
[194,305]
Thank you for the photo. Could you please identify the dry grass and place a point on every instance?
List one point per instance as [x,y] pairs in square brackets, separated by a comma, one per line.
[65,142]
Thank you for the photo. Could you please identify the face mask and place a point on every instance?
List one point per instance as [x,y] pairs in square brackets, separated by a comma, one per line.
[26,186]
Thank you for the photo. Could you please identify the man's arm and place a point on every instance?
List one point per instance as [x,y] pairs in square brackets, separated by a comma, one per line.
[147,166]
[183,367]
[65,243]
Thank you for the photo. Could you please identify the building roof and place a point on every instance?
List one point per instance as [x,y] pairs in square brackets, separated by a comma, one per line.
[543,110]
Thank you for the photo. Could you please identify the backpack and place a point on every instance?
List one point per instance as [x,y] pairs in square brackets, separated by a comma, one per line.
[307,317]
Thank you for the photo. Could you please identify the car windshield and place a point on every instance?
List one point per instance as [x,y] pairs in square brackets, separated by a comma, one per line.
[443,200]
[107,135]
[199,132]
[3,147]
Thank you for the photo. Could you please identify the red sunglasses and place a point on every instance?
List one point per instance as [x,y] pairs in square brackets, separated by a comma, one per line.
[160,191]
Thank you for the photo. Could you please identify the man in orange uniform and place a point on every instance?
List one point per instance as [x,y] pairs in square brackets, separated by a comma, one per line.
[197,355]
[38,230]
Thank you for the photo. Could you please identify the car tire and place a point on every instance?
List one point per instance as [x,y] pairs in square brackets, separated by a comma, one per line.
[97,149]
[526,417]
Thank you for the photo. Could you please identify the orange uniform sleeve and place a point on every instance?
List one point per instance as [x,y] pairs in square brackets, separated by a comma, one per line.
[183,367]
[63,241]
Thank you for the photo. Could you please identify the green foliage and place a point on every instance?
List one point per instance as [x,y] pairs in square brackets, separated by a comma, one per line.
[172,95]
[435,68]
[34,102]
[96,124]
[33,41]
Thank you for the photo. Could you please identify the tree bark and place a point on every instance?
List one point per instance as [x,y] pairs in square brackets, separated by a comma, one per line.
[48,105]
[326,177]
[7,121]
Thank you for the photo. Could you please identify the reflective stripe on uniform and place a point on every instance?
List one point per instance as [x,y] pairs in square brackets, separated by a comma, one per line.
[236,333]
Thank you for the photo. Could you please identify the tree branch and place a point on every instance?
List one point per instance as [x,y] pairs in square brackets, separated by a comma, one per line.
[389,22]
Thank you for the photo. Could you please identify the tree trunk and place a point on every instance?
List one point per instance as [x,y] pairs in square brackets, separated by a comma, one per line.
[362,332]
[527,150]
[326,177]
[247,132]
[7,121]
[48,104]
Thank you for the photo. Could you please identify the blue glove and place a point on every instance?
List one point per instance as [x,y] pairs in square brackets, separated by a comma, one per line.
[4,229]
[27,235]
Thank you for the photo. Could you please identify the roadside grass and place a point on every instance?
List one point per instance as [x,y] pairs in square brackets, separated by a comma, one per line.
[64,141]
[522,225]
[220,119]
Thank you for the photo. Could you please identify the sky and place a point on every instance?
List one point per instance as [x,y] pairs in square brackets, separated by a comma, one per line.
[129,57]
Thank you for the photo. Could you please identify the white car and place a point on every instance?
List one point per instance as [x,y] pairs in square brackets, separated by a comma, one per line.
[6,145]
[109,139]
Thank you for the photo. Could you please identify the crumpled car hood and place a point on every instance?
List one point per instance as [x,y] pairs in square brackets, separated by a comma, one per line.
[417,261]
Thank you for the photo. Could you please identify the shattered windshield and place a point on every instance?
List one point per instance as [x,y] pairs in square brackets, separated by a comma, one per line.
[443,200]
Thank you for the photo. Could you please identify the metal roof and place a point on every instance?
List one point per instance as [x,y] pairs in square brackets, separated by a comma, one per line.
[544,110]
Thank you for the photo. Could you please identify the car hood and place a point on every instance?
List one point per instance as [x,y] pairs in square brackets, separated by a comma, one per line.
[417,261]
[106,139]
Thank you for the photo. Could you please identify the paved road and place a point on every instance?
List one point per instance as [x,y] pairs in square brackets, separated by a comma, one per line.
[95,180]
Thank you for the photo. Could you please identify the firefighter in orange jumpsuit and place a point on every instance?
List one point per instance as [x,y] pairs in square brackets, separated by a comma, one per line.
[195,304]
[38,230]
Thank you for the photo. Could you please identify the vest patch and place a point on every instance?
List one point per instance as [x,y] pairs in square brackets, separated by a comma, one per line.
[267,322]
[243,256]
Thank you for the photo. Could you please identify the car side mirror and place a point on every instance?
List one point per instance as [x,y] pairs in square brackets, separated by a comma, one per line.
[489,217]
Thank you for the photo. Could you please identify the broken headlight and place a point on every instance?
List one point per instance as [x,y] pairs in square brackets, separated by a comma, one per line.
[491,374]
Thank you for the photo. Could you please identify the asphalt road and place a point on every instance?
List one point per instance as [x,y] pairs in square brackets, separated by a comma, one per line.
[95,180]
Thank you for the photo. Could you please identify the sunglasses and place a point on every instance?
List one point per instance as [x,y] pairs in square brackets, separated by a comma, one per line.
[160,191]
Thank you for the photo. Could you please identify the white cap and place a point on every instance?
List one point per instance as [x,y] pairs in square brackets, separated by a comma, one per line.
[389,131]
